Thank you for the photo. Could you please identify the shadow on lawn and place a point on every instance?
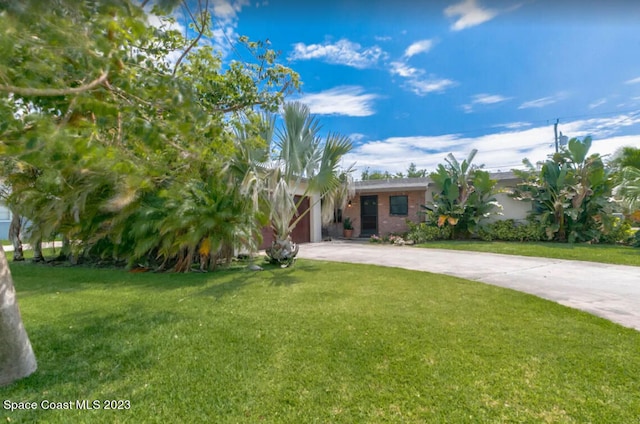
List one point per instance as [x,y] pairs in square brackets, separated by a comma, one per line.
[36,279]
[93,350]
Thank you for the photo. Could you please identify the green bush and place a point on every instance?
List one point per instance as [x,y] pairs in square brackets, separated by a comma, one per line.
[620,233]
[423,232]
[510,230]
[635,239]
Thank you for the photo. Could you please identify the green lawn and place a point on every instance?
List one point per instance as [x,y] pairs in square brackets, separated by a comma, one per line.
[610,254]
[322,342]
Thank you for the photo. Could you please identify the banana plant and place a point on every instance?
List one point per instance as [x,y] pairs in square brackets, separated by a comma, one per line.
[466,195]
[570,192]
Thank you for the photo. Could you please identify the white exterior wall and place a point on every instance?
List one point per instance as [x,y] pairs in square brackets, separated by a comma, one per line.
[5,222]
[315,219]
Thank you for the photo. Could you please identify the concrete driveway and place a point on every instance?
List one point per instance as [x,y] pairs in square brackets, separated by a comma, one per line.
[608,291]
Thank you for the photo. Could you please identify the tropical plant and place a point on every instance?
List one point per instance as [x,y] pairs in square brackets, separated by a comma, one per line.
[347,224]
[304,166]
[424,232]
[629,188]
[113,145]
[510,230]
[570,193]
[466,196]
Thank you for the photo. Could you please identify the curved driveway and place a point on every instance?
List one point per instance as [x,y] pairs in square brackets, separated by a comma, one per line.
[608,291]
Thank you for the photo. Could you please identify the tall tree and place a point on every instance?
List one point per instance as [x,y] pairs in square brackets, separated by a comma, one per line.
[146,132]
[414,172]
[17,359]
[116,146]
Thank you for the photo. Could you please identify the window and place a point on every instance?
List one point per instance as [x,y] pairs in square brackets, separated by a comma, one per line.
[5,214]
[398,205]
[337,215]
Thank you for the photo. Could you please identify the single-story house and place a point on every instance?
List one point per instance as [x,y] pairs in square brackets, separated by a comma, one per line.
[382,207]
[5,221]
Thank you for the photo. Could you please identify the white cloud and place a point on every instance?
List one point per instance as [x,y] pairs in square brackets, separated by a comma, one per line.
[597,103]
[224,33]
[484,99]
[422,87]
[343,52]
[404,70]
[498,151]
[513,125]
[228,9]
[468,14]
[344,100]
[382,38]
[488,99]
[633,81]
[421,46]
[542,102]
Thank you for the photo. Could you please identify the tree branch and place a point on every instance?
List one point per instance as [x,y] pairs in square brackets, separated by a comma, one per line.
[49,92]
[201,28]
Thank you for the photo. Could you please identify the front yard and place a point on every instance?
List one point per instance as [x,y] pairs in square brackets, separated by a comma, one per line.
[602,253]
[321,342]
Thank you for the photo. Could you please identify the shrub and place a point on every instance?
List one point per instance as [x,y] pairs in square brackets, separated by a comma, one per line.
[423,232]
[510,230]
[635,239]
[620,232]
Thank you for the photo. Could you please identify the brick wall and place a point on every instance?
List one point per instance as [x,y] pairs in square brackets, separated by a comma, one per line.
[388,223]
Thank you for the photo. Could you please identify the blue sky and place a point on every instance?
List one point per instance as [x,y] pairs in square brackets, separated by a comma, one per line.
[411,81]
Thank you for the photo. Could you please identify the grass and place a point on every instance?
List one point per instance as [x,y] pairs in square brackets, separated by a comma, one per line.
[322,342]
[609,254]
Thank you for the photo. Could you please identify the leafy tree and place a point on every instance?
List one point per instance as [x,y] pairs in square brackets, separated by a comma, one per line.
[144,135]
[375,175]
[412,172]
[570,193]
[115,146]
[466,196]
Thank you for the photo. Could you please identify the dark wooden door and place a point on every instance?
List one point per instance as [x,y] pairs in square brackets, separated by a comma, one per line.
[302,231]
[368,215]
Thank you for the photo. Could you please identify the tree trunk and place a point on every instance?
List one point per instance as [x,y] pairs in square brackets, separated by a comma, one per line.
[282,251]
[17,359]
[14,236]
[37,251]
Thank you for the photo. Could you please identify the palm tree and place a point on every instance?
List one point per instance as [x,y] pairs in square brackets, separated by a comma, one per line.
[16,355]
[629,189]
[303,164]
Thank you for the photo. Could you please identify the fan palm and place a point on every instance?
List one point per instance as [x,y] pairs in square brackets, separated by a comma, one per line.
[629,189]
[303,165]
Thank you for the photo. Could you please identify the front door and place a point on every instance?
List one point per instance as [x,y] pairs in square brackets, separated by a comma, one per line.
[368,215]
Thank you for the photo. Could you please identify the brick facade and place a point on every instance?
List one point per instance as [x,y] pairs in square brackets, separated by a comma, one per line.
[388,223]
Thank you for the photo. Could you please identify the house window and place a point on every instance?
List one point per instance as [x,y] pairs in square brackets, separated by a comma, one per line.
[5,214]
[337,215]
[398,205]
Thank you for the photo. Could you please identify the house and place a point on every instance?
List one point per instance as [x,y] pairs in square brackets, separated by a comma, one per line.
[382,207]
[308,229]
[5,222]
